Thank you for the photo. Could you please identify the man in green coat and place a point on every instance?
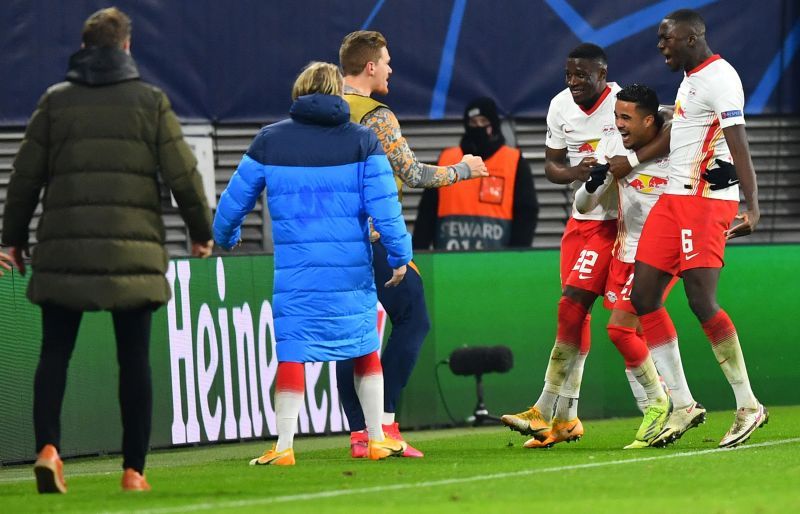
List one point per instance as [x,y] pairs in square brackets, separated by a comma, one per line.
[96,144]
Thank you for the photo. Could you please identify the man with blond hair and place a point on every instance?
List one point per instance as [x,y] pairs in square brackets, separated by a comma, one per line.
[364,59]
[324,176]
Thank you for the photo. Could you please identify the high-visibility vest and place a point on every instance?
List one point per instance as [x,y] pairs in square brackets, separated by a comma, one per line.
[476,214]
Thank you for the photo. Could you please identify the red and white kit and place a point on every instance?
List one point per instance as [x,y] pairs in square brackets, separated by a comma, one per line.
[588,238]
[686,227]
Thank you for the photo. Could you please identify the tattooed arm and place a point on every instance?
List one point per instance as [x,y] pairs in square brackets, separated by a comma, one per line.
[404,163]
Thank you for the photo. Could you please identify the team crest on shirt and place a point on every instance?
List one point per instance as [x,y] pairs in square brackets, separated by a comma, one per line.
[662,162]
[612,296]
[608,130]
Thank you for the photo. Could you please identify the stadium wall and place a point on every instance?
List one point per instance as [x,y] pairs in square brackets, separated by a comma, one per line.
[213,357]
[235,62]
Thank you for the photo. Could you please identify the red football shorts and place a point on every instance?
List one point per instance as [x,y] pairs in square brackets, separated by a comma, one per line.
[620,284]
[686,232]
[586,253]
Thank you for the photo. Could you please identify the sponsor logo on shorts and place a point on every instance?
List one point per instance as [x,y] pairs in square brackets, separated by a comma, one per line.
[692,256]
[731,114]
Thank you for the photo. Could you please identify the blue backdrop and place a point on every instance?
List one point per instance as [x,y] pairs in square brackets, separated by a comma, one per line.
[235,60]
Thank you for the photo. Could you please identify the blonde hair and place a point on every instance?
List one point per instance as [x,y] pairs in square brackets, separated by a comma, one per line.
[358,48]
[318,77]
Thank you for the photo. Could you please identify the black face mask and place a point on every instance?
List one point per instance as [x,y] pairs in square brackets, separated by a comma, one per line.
[477,142]
[478,136]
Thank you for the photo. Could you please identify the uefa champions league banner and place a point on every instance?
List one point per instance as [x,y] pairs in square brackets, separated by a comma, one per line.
[235,62]
[222,359]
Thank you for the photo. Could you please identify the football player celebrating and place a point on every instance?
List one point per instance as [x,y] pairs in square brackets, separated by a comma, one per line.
[686,230]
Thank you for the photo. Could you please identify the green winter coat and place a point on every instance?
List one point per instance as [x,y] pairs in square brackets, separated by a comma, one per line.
[96,144]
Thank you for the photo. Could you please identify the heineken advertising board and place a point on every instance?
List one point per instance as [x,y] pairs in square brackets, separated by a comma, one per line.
[213,350]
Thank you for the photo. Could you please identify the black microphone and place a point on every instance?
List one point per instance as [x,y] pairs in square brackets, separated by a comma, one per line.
[477,360]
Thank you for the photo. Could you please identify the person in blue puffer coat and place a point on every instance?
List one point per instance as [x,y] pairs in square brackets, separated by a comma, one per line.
[325,178]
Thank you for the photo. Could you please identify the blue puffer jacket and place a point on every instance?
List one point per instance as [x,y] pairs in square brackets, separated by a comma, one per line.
[324,177]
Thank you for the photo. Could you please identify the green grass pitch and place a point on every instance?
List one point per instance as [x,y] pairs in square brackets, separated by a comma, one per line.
[465,470]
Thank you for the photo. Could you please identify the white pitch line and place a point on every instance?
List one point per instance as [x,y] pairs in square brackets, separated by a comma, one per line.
[449,481]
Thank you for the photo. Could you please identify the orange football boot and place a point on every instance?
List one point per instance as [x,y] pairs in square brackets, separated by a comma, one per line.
[529,422]
[273,458]
[393,431]
[377,450]
[562,430]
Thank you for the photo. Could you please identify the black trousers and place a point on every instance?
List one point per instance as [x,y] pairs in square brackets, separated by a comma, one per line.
[59,332]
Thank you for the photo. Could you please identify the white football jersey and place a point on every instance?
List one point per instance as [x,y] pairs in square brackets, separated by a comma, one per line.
[637,194]
[710,98]
[579,131]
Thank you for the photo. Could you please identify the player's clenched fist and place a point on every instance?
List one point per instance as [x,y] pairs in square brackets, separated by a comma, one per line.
[477,167]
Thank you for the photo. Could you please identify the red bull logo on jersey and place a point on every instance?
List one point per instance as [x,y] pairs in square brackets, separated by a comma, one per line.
[647,183]
[589,146]
[679,111]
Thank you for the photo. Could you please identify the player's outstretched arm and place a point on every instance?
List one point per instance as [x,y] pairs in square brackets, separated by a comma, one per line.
[405,164]
[558,172]
[736,138]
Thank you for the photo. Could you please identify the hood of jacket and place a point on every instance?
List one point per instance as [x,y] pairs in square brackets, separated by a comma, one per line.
[319,109]
[101,66]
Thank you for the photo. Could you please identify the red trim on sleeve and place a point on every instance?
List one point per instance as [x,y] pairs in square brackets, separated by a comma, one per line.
[598,102]
[703,64]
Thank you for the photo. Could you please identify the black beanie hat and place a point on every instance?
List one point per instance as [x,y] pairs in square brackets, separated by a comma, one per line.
[483,106]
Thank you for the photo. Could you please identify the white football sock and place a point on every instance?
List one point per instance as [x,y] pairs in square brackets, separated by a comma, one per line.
[731,360]
[567,405]
[647,376]
[563,357]
[387,418]
[370,393]
[638,391]
[287,409]
[667,358]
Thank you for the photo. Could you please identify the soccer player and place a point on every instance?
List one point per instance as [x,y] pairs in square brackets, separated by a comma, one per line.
[576,120]
[638,123]
[686,231]
[364,59]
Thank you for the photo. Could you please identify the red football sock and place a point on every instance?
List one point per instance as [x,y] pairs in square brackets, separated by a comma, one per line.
[572,318]
[658,328]
[719,328]
[290,377]
[369,364]
[586,334]
[632,347]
